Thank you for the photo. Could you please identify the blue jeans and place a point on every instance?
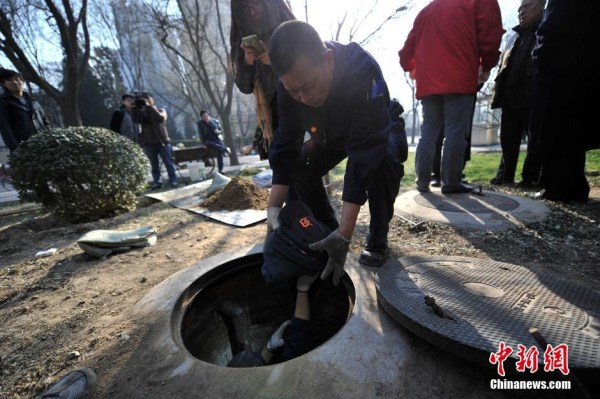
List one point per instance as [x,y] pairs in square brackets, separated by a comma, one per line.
[166,153]
[317,160]
[221,149]
[454,113]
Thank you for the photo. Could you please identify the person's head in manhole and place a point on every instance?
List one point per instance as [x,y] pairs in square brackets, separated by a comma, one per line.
[292,339]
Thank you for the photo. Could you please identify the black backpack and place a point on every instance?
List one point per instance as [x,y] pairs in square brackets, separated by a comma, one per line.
[286,253]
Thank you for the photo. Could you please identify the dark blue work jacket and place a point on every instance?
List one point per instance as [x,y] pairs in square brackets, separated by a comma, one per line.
[354,120]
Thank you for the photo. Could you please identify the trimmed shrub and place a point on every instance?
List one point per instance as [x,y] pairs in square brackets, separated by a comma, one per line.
[80,173]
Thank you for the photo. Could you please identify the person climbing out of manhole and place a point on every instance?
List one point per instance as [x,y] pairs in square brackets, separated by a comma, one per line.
[293,338]
[287,257]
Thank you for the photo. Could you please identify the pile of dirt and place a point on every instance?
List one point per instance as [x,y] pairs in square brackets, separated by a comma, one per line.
[238,194]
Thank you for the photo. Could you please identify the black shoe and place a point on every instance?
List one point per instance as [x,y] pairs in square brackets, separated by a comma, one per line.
[372,258]
[435,182]
[174,185]
[500,182]
[462,189]
[526,184]
[155,186]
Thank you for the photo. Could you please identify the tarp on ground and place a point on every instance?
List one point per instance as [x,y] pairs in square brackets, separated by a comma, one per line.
[190,198]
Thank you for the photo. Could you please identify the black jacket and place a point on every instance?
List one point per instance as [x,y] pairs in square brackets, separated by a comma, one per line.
[513,83]
[356,120]
[208,130]
[116,119]
[20,120]
[154,128]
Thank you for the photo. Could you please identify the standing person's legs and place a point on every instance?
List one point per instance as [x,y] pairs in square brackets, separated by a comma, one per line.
[436,180]
[382,193]
[469,137]
[540,119]
[166,153]
[563,177]
[457,111]
[433,120]
[511,134]
[152,154]
[308,186]
[532,166]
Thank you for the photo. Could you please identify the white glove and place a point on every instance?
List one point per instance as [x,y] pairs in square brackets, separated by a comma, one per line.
[272,218]
[336,246]
[277,340]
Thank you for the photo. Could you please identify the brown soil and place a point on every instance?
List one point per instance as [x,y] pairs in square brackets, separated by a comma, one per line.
[238,194]
[70,310]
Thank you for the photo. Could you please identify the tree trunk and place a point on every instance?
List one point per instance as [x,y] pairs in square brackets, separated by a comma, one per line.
[227,133]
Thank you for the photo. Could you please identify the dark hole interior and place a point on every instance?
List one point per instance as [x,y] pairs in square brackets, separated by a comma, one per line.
[233,309]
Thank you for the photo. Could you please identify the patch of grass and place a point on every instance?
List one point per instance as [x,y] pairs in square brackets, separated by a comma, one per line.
[592,160]
[483,166]
[480,169]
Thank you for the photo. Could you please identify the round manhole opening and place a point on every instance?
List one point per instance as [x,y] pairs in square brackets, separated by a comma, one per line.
[231,309]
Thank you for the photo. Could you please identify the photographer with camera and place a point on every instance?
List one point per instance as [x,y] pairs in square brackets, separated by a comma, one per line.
[209,130]
[155,138]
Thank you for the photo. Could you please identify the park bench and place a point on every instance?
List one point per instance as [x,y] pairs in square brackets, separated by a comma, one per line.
[199,153]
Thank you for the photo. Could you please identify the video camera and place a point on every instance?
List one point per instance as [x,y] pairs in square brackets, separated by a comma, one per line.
[139,100]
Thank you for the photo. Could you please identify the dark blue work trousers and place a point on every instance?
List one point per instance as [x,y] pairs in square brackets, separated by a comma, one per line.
[317,160]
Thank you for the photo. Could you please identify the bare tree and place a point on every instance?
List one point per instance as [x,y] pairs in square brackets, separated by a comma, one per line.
[195,37]
[411,83]
[22,23]
[352,24]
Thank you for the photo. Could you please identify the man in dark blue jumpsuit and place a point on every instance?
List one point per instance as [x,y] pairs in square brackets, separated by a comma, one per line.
[333,104]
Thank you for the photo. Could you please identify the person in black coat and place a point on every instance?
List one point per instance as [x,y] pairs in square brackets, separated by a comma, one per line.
[512,93]
[122,122]
[21,115]
[252,68]
[566,69]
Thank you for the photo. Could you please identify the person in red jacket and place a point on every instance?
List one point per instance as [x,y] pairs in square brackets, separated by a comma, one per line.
[452,47]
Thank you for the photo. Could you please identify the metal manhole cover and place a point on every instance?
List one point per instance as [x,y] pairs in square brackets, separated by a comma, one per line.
[488,203]
[486,302]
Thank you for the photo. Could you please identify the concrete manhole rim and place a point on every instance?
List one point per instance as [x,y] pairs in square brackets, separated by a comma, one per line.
[172,360]
[528,211]
[230,270]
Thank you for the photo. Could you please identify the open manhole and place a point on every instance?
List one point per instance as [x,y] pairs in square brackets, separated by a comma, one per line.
[232,309]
